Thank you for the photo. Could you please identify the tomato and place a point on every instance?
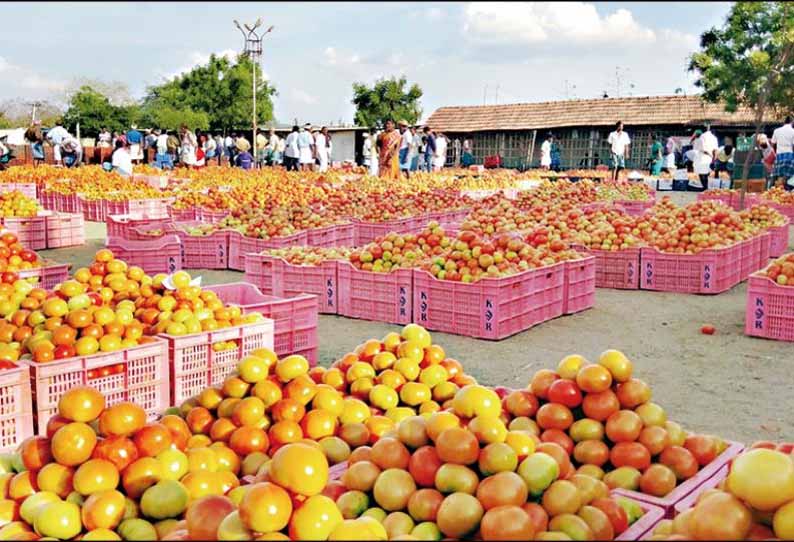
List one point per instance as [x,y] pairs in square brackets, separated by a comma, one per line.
[616,514]
[565,392]
[423,464]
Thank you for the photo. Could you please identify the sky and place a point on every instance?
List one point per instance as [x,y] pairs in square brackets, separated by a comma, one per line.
[460,53]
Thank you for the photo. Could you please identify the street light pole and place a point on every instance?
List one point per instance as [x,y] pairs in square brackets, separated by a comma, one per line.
[253,48]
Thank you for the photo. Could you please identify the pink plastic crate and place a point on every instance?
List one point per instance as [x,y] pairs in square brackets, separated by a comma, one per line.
[492,308]
[274,276]
[780,239]
[142,379]
[95,210]
[32,231]
[16,408]
[645,524]
[27,189]
[294,318]
[711,483]
[709,272]
[580,285]
[749,200]
[50,200]
[770,309]
[634,208]
[205,251]
[617,269]
[786,210]
[684,489]
[65,230]
[366,232]
[183,215]
[338,235]
[155,181]
[211,217]
[48,276]
[594,206]
[154,208]
[194,365]
[382,297]
[160,255]
[241,245]
[129,226]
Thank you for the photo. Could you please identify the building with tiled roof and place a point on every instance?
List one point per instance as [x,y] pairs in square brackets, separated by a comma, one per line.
[515,131]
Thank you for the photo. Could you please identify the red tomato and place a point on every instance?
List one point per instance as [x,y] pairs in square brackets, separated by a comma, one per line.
[565,392]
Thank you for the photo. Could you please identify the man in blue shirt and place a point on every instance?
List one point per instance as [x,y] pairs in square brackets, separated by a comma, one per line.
[430,149]
[134,140]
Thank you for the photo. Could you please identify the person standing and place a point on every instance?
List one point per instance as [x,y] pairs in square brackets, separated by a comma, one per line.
[468,157]
[162,158]
[724,159]
[172,147]
[278,155]
[228,146]
[271,149]
[405,148]
[34,136]
[306,147]
[414,151]
[321,144]
[148,143]
[210,148]
[440,159]
[104,139]
[545,152]
[366,151]
[669,155]
[430,149]
[261,148]
[135,140]
[783,141]
[121,160]
[619,142]
[657,157]
[291,150]
[187,153]
[389,143]
[705,147]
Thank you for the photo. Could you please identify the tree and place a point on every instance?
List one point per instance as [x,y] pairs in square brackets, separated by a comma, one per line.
[117,93]
[749,62]
[18,112]
[93,111]
[387,99]
[4,122]
[217,96]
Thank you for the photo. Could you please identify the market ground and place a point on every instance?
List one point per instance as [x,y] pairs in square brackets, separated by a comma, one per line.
[726,384]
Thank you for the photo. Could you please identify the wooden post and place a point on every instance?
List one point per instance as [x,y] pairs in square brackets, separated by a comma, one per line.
[531,149]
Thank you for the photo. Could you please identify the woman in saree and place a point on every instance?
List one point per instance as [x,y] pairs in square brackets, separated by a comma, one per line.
[388,145]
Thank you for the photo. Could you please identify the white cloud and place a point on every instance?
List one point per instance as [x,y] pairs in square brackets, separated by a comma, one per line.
[198,58]
[434,13]
[28,81]
[304,97]
[531,23]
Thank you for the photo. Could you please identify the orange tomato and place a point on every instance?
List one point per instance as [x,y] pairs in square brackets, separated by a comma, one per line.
[120,451]
[152,439]
[81,404]
[246,440]
[265,508]
[300,468]
[95,475]
[73,444]
[122,419]
[35,453]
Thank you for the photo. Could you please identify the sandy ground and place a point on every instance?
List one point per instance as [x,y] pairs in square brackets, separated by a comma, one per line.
[726,384]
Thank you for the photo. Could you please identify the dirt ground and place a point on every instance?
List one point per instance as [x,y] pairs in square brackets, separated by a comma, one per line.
[726,384]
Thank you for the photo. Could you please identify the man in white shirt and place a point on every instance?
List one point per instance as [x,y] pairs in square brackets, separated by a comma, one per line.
[122,161]
[783,141]
[441,151]
[321,144]
[619,142]
[291,150]
[545,152]
[271,149]
[405,148]
[306,147]
[55,135]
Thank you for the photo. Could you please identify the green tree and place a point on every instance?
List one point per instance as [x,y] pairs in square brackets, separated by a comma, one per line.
[386,99]
[94,111]
[749,62]
[4,121]
[217,96]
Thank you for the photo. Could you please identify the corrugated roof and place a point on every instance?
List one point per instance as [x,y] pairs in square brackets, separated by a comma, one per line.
[634,111]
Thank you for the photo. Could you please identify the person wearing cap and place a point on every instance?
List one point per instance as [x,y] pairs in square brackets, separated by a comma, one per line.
[321,143]
[306,147]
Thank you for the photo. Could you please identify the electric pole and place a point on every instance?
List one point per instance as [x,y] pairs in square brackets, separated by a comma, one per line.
[253,49]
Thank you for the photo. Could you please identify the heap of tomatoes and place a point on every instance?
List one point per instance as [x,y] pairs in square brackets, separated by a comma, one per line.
[14,256]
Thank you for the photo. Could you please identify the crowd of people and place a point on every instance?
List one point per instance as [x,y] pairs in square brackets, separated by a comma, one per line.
[398,149]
